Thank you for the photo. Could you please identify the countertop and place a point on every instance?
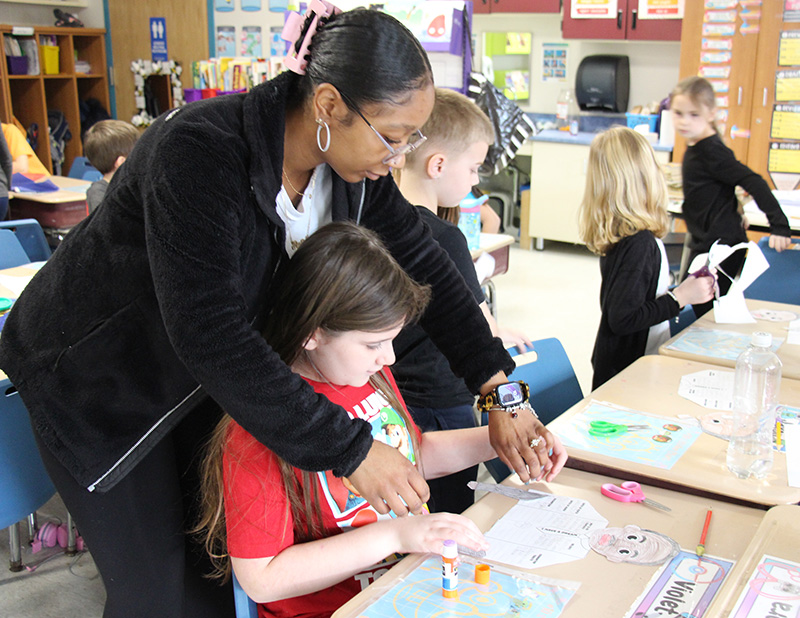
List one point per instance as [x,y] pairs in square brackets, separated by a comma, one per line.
[583,138]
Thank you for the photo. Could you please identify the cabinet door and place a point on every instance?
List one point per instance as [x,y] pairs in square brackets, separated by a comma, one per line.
[768,127]
[651,29]
[516,6]
[737,101]
[481,6]
[606,28]
[526,6]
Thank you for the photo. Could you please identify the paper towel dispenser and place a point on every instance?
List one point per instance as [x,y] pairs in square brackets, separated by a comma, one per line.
[603,83]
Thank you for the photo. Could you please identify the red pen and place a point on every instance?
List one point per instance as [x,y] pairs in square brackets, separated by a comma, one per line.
[701,546]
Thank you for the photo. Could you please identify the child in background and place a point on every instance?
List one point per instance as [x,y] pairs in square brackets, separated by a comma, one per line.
[281,526]
[711,174]
[107,144]
[436,177]
[25,159]
[623,217]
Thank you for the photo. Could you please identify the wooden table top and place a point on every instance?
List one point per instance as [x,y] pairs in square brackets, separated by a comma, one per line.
[650,385]
[788,353]
[601,593]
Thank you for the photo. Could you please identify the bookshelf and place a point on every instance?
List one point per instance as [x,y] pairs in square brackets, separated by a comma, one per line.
[30,97]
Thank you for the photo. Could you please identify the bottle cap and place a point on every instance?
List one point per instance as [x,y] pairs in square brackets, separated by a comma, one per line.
[761,339]
[449,549]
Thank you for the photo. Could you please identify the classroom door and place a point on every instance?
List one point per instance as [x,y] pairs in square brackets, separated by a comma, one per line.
[129,29]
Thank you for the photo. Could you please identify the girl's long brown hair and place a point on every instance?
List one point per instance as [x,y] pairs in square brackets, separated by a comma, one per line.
[341,279]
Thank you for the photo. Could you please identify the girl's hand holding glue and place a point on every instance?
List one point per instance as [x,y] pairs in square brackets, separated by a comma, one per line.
[427,533]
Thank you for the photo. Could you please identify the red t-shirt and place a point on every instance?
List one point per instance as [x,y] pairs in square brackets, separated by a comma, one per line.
[257,513]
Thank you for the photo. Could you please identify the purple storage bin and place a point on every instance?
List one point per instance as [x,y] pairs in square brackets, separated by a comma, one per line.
[17,65]
[192,94]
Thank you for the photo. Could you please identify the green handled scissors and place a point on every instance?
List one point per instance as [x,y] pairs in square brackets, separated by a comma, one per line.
[604,429]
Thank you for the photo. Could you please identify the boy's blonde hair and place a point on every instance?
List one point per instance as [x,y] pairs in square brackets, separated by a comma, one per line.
[106,140]
[626,191]
[455,124]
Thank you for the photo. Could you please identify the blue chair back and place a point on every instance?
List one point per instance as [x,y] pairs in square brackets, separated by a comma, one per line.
[682,320]
[780,283]
[11,251]
[31,237]
[245,606]
[553,384]
[81,168]
[24,483]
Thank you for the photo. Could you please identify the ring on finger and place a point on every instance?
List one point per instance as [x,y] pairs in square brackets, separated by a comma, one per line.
[536,441]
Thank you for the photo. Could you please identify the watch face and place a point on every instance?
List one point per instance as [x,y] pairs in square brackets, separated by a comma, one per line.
[510,394]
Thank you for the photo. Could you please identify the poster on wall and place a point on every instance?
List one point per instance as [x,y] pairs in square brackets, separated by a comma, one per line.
[223,6]
[661,9]
[251,5]
[554,62]
[251,42]
[787,86]
[791,10]
[789,48]
[785,122]
[226,41]
[594,9]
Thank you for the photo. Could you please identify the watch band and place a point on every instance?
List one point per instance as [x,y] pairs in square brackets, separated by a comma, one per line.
[491,400]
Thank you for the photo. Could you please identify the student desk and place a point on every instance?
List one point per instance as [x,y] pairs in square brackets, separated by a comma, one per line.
[60,209]
[12,281]
[788,353]
[498,247]
[778,536]
[650,385]
[607,589]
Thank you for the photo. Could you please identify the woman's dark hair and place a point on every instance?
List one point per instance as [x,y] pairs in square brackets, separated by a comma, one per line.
[367,55]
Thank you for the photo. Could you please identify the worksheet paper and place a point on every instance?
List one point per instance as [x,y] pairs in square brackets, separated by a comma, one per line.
[711,389]
[538,533]
[791,439]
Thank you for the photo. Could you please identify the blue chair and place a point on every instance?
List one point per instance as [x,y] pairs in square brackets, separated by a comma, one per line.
[81,168]
[11,251]
[245,606]
[553,384]
[780,283]
[682,320]
[24,483]
[31,237]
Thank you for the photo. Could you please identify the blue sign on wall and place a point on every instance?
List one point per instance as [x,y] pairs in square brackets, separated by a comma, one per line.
[158,38]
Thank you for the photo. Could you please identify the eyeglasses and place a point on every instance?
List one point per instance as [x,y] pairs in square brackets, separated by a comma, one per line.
[415,141]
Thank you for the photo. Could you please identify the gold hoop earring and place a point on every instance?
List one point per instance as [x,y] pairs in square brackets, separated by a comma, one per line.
[321,123]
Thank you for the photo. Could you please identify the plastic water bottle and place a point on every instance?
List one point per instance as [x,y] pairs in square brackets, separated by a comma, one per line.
[567,112]
[756,388]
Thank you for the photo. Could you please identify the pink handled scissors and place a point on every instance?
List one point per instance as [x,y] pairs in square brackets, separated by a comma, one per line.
[629,491]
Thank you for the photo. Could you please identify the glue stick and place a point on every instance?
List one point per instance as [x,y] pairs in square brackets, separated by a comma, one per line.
[450,570]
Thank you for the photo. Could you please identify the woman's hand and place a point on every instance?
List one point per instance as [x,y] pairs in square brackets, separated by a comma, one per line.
[779,243]
[426,533]
[524,445]
[388,480]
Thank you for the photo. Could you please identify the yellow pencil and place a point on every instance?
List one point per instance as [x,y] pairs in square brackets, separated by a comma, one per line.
[778,433]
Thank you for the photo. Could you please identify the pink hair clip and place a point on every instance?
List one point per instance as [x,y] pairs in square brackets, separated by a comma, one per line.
[295,61]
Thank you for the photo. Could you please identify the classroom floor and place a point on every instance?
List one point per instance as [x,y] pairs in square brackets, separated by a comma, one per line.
[550,293]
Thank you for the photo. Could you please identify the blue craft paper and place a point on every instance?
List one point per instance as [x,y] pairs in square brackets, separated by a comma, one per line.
[22,184]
